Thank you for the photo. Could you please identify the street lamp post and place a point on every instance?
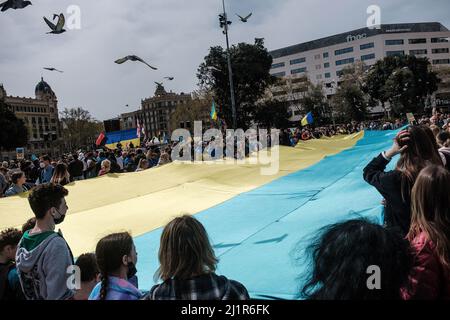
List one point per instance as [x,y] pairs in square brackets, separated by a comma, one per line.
[224,23]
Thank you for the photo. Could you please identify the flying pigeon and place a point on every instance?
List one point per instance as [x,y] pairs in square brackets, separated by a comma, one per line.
[53,69]
[169,78]
[59,27]
[133,58]
[246,18]
[14,4]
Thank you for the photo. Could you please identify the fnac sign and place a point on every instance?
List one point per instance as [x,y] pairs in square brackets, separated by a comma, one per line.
[351,38]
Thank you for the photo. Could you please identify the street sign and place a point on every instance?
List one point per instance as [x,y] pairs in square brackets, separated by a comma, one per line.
[20,153]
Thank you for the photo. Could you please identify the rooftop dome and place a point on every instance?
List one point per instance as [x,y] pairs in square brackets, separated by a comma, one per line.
[43,88]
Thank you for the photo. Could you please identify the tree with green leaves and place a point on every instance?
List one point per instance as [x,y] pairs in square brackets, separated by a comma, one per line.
[14,132]
[272,113]
[315,101]
[350,101]
[80,129]
[404,81]
[251,64]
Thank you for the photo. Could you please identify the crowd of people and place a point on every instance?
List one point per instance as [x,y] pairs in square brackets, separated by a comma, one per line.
[20,176]
[411,249]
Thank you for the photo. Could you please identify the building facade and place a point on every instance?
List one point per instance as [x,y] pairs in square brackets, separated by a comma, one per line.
[155,113]
[40,115]
[322,60]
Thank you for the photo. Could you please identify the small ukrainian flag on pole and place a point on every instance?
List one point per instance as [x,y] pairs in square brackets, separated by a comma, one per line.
[308,119]
[213,111]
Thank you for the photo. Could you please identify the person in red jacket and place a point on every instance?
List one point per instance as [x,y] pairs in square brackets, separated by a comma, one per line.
[429,236]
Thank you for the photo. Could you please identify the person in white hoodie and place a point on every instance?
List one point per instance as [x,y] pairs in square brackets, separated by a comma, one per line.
[43,256]
[443,140]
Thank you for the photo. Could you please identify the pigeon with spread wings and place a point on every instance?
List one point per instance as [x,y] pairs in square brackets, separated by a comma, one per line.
[53,69]
[169,78]
[133,58]
[14,4]
[246,18]
[59,27]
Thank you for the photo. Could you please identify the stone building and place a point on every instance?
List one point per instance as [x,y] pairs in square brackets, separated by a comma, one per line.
[40,115]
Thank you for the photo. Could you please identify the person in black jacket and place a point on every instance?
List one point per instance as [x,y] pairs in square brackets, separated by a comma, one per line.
[416,152]
[75,168]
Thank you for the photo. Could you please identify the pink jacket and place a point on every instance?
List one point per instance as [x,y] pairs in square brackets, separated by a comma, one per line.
[429,280]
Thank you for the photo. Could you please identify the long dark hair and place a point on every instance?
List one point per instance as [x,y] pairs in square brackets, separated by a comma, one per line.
[430,209]
[340,256]
[61,175]
[422,151]
[110,251]
[185,250]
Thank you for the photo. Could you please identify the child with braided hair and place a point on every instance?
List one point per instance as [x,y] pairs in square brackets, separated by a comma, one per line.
[116,259]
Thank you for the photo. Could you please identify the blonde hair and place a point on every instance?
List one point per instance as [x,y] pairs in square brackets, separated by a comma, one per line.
[106,164]
[185,250]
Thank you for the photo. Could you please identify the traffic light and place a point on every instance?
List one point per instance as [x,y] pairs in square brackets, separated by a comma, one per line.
[223,21]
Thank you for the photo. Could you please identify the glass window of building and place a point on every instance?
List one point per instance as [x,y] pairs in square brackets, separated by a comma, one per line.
[368,57]
[441,61]
[394,42]
[319,76]
[317,57]
[327,75]
[318,67]
[278,65]
[345,61]
[416,41]
[299,70]
[366,46]
[279,74]
[440,50]
[439,40]
[343,51]
[325,55]
[297,61]
[418,52]
[395,53]
[326,65]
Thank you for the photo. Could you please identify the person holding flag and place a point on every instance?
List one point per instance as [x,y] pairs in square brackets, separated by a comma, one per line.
[138,132]
[308,119]
[213,111]
[101,140]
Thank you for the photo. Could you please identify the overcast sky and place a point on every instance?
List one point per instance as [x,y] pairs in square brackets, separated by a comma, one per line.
[173,35]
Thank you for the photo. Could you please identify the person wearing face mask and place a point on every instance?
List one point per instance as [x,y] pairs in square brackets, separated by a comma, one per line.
[46,170]
[116,259]
[43,256]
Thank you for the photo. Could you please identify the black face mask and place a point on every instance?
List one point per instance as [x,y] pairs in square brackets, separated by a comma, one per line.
[60,219]
[131,270]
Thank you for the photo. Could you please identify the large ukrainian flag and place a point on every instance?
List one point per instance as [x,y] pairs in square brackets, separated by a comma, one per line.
[124,137]
[254,221]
